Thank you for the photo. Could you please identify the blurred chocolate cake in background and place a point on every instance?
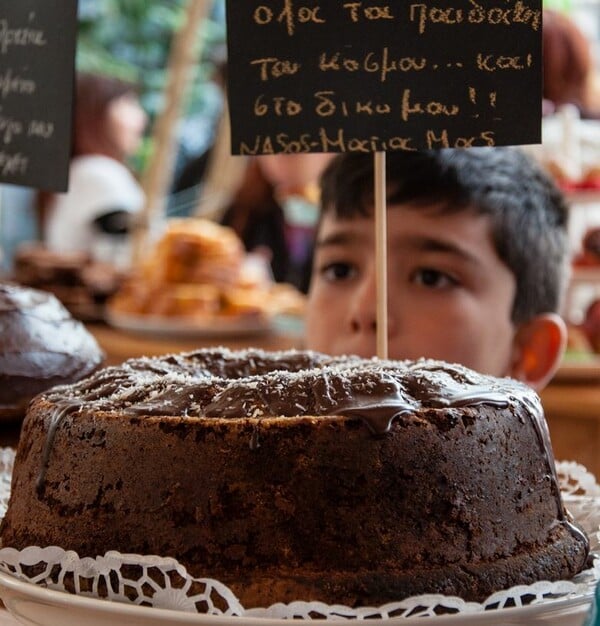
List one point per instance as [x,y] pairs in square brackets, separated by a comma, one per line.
[80,283]
[41,345]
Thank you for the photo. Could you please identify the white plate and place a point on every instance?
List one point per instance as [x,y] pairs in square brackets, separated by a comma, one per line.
[34,605]
[185,327]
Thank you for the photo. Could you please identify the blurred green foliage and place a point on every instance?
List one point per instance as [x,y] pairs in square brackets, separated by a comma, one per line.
[131,39]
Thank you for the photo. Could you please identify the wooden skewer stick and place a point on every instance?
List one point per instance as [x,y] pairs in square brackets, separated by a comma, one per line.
[381,255]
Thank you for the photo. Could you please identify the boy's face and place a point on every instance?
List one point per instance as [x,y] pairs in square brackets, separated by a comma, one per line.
[449,295]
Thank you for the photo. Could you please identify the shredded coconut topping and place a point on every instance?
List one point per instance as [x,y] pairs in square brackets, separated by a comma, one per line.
[254,383]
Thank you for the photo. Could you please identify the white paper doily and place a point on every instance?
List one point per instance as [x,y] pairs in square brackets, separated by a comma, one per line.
[165,584]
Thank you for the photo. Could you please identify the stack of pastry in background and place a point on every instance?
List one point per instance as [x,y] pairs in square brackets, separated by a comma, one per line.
[199,270]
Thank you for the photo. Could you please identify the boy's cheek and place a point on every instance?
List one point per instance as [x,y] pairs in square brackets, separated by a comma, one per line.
[321,325]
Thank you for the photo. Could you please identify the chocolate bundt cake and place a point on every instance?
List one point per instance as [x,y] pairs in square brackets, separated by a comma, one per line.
[295,475]
[41,345]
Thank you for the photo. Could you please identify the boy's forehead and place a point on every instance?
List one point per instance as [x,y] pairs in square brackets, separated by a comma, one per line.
[336,230]
[427,227]
[404,213]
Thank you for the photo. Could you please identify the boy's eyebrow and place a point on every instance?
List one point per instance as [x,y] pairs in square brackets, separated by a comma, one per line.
[412,242]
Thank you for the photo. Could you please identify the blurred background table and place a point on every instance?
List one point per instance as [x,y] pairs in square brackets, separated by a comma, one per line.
[6,619]
[120,345]
[573,415]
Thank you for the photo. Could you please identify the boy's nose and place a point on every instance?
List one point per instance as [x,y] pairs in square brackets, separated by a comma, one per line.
[362,324]
[363,314]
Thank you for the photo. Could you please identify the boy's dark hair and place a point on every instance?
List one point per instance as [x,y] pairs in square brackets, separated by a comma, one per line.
[528,213]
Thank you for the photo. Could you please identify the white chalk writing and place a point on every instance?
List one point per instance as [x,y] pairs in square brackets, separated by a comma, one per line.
[10,84]
[19,37]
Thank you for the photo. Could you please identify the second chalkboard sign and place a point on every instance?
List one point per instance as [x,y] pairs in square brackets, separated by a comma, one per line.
[37,61]
[336,76]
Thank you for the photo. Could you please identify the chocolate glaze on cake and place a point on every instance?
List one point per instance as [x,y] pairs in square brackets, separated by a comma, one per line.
[299,476]
[41,345]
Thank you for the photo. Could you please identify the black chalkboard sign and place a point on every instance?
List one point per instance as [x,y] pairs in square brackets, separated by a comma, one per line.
[37,64]
[339,75]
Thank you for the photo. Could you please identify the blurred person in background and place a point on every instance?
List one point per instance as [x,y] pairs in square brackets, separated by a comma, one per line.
[275,210]
[97,213]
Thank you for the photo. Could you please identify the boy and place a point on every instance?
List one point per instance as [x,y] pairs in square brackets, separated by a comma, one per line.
[477,261]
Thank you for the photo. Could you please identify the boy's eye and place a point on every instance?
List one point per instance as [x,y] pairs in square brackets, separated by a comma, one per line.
[429,277]
[338,271]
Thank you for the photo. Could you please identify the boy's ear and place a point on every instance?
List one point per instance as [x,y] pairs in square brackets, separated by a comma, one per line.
[538,348]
